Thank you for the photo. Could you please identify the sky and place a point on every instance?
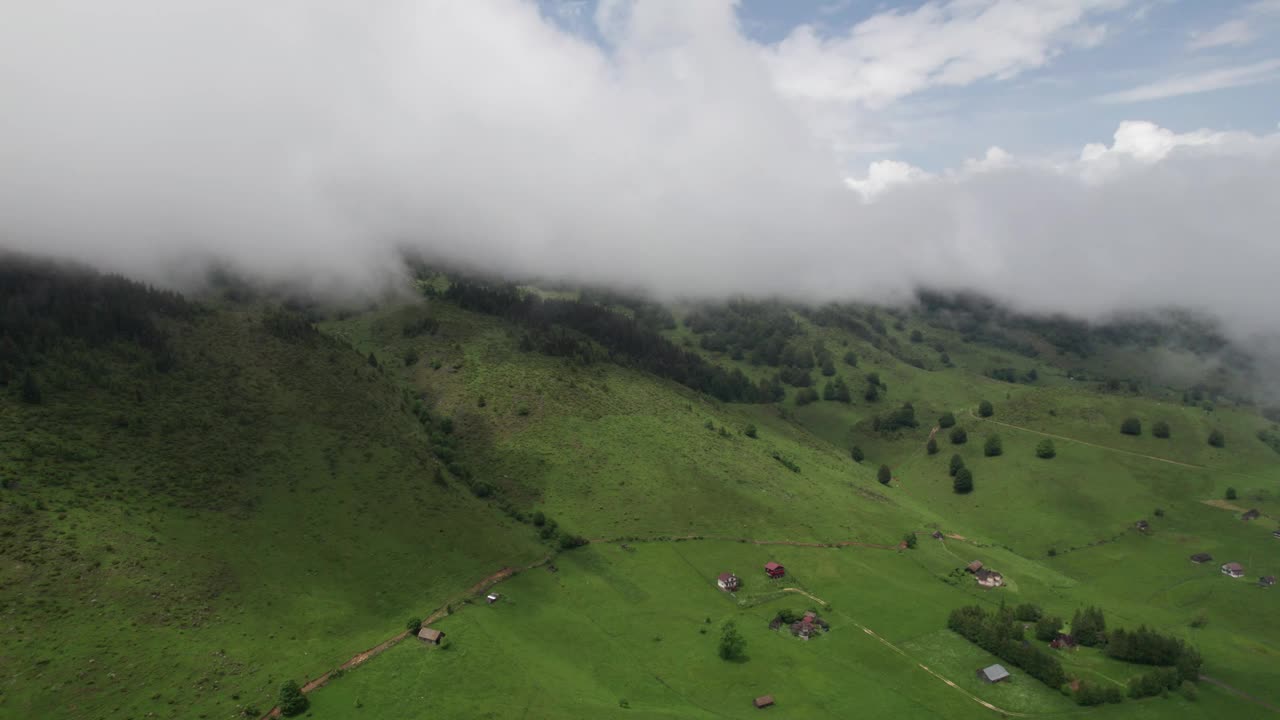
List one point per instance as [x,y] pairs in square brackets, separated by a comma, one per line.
[1077,156]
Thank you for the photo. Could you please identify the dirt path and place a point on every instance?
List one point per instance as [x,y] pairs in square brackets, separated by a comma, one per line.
[362,657]
[1085,442]
[1241,694]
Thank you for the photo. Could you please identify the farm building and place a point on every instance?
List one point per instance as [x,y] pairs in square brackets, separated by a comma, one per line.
[1234,569]
[432,637]
[763,701]
[974,566]
[1252,514]
[728,582]
[937,535]
[1267,581]
[989,578]
[1201,558]
[994,674]
[1275,533]
[1142,526]
[492,598]
[1064,641]
[774,570]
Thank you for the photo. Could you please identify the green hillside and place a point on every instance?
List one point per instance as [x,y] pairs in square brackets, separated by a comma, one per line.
[183,536]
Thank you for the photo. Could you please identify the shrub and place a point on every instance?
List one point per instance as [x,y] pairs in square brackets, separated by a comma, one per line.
[522,410]
[732,644]
[851,359]
[910,540]
[750,431]
[1028,612]
[1045,449]
[1047,628]
[884,474]
[1231,493]
[539,518]
[957,462]
[931,446]
[31,394]
[947,420]
[985,409]
[1216,439]
[413,625]
[410,357]
[993,447]
[856,453]
[1131,426]
[1160,429]
[292,701]
[959,436]
[963,484]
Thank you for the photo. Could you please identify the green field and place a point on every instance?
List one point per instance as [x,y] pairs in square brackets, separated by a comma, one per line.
[177,544]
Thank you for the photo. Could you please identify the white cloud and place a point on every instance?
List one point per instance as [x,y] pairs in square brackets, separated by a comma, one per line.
[1229,33]
[952,43]
[312,139]
[884,174]
[1220,79]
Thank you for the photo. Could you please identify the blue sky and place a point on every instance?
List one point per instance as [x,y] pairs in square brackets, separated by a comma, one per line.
[1223,53]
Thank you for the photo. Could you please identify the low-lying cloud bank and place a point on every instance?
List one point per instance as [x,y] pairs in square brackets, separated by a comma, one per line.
[314,139]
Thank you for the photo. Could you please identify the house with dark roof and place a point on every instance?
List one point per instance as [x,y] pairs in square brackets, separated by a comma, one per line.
[1267,581]
[1201,558]
[1251,514]
[774,570]
[429,636]
[763,701]
[994,674]
[989,578]
[1233,569]
[973,567]
[728,582]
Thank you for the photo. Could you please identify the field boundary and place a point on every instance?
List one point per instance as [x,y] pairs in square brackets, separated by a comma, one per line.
[791,543]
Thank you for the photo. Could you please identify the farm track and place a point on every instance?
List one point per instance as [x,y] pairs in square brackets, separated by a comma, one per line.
[1240,694]
[791,543]
[362,657]
[1086,442]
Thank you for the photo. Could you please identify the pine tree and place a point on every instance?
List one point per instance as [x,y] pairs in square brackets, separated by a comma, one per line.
[985,409]
[931,446]
[993,447]
[884,475]
[957,462]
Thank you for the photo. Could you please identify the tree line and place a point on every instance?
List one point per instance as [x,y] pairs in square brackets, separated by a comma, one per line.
[588,332]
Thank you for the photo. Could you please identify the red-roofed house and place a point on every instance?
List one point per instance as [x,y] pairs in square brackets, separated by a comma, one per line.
[728,582]
[774,570]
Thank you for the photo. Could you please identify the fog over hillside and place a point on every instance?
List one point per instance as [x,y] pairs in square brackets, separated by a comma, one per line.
[304,139]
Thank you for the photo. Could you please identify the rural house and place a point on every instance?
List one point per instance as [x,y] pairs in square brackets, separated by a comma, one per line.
[1201,558]
[763,701]
[728,582]
[974,566]
[1142,525]
[994,674]
[774,570]
[937,534]
[1234,569]
[1252,514]
[809,625]
[429,636]
[1275,533]
[1267,581]
[492,598]
[989,578]
[1064,641]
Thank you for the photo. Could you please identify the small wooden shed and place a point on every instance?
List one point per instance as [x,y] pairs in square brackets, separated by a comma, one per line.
[430,636]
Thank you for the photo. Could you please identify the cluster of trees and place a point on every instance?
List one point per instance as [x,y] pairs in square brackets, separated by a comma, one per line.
[1090,694]
[1000,633]
[903,417]
[591,332]
[962,477]
[1157,682]
[1089,627]
[49,309]
[759,332]
[1145,646]
[1011,375]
